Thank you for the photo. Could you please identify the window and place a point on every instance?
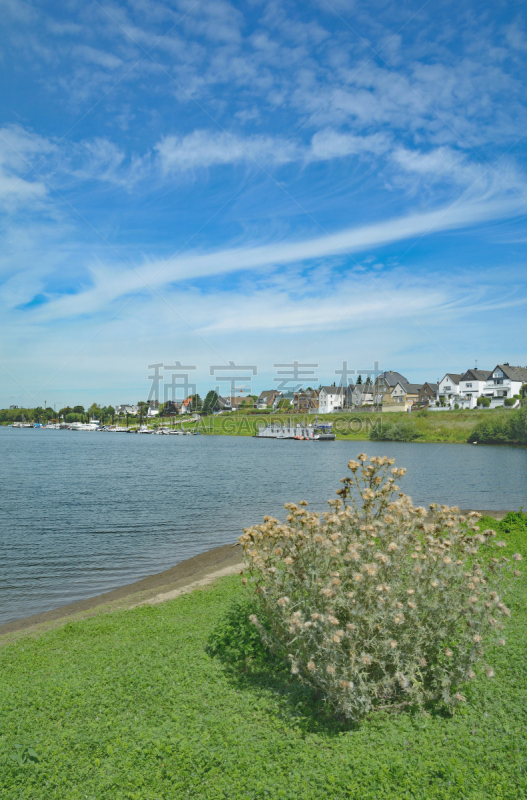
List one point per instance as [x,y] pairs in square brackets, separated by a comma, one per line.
[469,386]
[448,388]
[498,374]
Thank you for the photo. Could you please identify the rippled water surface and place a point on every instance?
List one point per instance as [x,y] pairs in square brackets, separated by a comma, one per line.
[83,513]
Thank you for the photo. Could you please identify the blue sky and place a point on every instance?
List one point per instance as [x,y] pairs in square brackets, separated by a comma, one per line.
[258,182]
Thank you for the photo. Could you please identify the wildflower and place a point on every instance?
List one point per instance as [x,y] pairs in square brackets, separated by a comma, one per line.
[471,674]
[370,569]
[473,599]
[278,551]
[448,652]
[410,591]
[477,638]
[411,605]
[501,642]
[254,619]
[393,644]
[517,557]
[517,573]
[330,669]
[366,660]
[447,560]
[351,594]
[398,619]
[336,581]
[244,581]
[423,662]
[434,584]
[336,638]
[351,626]
[460,697]
[489,672]
[288,560]
[332,620]
[414,555]
[344,684]
[283,601]
[392,547]
[315,616]
[311,665]
[357,576]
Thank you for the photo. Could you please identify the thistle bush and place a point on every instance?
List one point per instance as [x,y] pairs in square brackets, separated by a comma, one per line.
[377,603]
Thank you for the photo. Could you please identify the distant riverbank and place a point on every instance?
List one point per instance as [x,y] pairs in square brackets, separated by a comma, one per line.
[434,427]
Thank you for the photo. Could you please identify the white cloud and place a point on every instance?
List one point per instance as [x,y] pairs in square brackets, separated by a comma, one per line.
[19,151]
[328,143]
[202,149]
[110,284]
[99,57]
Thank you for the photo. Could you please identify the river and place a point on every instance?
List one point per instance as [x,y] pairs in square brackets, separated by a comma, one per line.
[83,513]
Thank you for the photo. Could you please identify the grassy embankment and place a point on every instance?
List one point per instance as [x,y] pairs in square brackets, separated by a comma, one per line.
[437,426]
[128,705]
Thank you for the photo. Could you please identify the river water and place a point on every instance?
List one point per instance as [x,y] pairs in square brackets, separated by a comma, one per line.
[83,513]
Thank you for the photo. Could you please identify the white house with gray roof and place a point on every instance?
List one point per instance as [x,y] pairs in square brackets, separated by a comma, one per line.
[504,383]
[330,399]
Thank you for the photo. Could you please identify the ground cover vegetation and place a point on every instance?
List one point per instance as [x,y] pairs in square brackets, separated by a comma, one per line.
[501,428]
[182,700]
[421,426]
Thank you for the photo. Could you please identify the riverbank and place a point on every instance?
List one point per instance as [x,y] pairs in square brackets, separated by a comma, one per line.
[129,705]
[433,427]
[187,576]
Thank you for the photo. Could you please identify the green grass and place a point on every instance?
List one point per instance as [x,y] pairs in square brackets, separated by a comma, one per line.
[129,705]
[436,426]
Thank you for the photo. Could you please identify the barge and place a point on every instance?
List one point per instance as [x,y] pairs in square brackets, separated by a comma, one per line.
[301,432]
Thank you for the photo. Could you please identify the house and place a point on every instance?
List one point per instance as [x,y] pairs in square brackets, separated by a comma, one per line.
[448,389]
[427,393]
[127,409]
[186,406]
[268,399]
[330,399]
[472,386]
[306,401]
[404,394]
[237,402]
[153,411]
[385,382]
[504,383]
[362,394]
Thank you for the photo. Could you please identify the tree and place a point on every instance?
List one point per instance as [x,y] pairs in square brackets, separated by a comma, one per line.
[211,403]
[359,380]
[195,402]
[142,403]
[78,409]
[283,404]
[65,411]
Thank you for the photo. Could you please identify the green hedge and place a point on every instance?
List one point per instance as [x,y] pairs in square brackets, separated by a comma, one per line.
[502,429]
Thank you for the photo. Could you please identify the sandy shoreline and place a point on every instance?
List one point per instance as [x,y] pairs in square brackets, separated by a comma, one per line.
[193,573]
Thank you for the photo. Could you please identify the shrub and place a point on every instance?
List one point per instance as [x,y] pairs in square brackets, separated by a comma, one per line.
[456,406]
[373,604]
[483,401]
[404,431]
[509,401]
